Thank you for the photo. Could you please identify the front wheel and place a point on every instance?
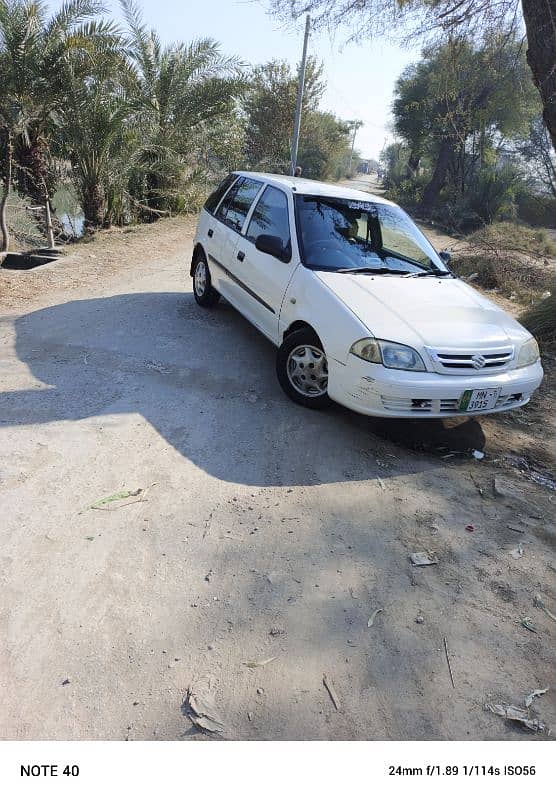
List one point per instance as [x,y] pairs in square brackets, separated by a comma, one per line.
[302,369]
[204,294]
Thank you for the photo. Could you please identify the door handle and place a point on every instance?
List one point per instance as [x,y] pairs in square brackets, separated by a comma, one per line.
[210,232]
[240,255]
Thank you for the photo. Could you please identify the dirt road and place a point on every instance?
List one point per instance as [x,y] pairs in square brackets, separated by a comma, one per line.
[263,531]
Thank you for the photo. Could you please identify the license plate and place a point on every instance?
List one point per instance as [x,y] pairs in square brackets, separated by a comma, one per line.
[478,399]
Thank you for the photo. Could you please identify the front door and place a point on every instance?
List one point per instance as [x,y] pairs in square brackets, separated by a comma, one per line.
[262,278]
[229,220]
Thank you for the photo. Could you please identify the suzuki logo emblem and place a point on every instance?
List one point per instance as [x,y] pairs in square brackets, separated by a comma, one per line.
[478,361]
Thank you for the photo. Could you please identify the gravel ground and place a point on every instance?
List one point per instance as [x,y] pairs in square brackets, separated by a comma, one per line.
[263,539]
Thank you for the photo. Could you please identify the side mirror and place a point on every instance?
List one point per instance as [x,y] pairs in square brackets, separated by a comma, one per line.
[273,246]
[445,256]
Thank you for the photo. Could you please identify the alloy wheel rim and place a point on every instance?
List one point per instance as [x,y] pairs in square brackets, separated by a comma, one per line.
[200,278]
[307,370]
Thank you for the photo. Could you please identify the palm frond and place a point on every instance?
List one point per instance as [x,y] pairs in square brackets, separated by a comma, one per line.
[71,14]
[143,45]
[202,59]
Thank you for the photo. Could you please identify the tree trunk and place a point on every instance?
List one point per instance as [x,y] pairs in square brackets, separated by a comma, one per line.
[540,24]
[49,232]
[94,206]
[436,183]
[6,187]
[462,167]
[413,164]
[3,224]
[32,171]
[36,180]
[482,138]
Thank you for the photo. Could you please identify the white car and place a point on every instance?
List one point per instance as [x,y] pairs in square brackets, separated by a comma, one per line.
[361,307]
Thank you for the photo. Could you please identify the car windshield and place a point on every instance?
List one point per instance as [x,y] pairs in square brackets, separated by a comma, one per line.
[340,234]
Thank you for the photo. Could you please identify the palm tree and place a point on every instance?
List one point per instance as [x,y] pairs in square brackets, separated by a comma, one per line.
[99,134]
[8,127]
[126,113]
[177,91]
[35,54]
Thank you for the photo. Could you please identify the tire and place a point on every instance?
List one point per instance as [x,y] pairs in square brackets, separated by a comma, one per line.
[203,292]
[302,369]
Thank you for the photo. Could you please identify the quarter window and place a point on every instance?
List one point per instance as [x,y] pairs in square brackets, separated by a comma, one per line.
[235,206]
[271,217]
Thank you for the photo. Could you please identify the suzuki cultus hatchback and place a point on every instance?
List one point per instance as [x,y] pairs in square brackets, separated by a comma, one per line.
[362,309]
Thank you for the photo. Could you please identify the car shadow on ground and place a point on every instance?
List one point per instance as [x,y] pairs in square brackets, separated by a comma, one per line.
[205,380]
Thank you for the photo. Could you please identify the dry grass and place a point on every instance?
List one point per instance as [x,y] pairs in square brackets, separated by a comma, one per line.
[515,259]
[511,237]
[541,321]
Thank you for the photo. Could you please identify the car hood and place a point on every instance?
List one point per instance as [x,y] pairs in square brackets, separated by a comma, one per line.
[424,311]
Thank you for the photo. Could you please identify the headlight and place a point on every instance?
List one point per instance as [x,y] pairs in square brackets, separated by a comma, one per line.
[528,353]
[391,354]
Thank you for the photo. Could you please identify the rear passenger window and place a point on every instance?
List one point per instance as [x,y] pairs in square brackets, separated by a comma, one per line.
[219,192]
[271,217]
[237,203]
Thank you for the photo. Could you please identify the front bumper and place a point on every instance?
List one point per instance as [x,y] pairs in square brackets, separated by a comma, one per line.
[377,391]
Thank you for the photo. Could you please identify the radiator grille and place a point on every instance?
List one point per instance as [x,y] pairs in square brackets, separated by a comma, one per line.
[469,361]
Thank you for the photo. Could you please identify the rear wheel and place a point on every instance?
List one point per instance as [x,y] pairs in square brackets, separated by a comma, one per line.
[204,294]
[302,369]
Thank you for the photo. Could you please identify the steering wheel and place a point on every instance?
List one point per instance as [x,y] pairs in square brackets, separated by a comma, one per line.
[325,245]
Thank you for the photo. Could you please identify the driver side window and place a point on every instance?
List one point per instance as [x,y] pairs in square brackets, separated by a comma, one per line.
[271,217]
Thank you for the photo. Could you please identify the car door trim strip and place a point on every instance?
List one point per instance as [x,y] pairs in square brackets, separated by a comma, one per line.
[241,284]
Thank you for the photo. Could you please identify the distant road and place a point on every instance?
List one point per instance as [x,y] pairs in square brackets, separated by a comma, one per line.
[370,183]
[365,183]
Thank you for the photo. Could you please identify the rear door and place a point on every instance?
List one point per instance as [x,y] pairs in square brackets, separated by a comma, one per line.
[263,277]
[208,230]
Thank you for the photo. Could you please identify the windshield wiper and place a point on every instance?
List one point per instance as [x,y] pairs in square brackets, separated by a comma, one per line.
[430,273]
[372,270]
[432,270]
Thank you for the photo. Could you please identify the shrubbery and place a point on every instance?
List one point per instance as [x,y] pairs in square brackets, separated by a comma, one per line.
[491,194]
[407,192]
[541,319]
[510,257]
[537,210]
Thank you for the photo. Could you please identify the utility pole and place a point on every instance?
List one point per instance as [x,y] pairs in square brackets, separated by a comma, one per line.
[300,87]
[355,124]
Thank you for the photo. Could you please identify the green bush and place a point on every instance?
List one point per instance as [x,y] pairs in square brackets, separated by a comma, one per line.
[536,210]
[491,194]
[456,214]
[407,192]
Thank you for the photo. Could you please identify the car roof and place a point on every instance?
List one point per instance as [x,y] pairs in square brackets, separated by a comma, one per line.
[318,188]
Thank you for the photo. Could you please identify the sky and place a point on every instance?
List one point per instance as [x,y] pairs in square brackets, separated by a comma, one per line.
[360,78]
